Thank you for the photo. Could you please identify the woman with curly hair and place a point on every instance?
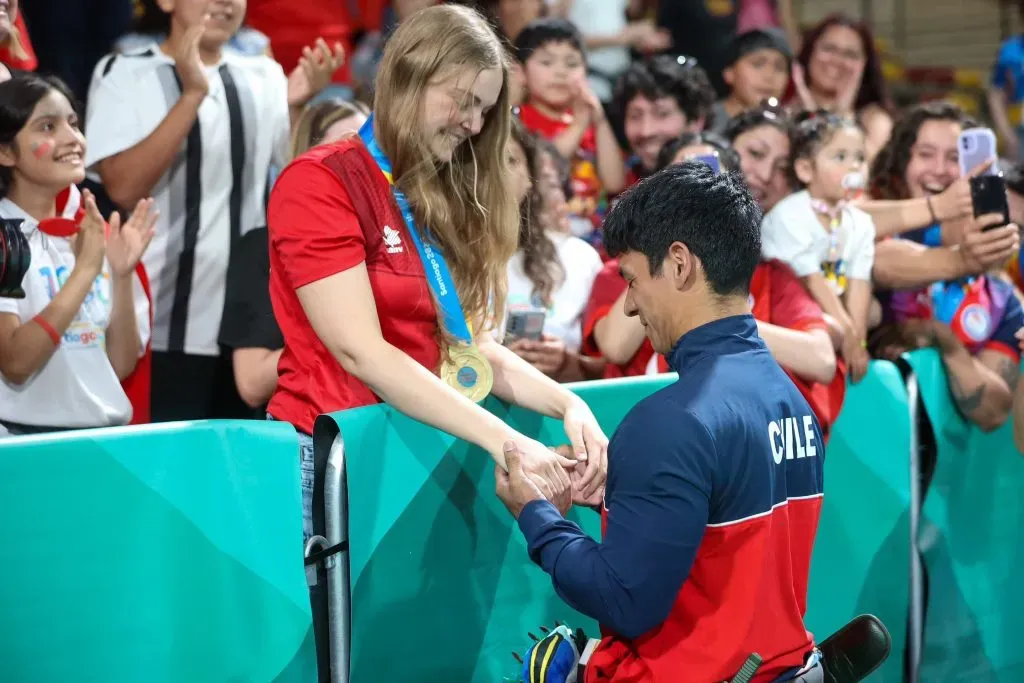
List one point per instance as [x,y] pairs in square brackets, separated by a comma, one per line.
[551,272]
[971,318]
[839,70]
[916,188]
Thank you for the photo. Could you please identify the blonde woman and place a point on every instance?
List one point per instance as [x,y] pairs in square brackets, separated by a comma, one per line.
[355,272]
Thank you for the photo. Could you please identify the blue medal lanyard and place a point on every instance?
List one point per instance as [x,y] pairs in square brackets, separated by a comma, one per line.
[434,265]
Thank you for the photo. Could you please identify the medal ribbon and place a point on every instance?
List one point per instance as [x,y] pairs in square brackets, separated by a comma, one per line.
[434,265]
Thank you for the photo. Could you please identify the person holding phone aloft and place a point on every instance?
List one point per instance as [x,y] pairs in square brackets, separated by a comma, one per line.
[969,316]
[385,261]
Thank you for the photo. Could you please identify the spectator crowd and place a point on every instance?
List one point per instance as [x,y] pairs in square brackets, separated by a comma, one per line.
[140,157]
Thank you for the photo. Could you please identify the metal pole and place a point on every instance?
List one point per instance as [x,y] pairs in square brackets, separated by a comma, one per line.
[338,588]
[916,615]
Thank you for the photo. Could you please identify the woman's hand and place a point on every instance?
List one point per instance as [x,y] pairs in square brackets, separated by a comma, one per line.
[590,446]
[846,102]
[955,201]
[983,247]
[127,243]
[90,244]
[316,66]
[547,355]
[802,91]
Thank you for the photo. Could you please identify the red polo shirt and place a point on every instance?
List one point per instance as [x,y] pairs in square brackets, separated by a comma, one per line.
[330,210]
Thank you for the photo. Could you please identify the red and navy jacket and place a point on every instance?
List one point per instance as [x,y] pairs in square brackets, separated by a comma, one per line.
[711,508]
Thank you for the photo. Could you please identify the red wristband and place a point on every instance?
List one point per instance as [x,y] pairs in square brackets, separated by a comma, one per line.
[48,329]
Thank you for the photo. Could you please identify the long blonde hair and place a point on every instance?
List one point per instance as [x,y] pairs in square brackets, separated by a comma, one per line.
[465,203]
[318,118]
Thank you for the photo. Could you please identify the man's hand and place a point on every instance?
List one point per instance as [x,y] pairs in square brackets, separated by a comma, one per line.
[514,488]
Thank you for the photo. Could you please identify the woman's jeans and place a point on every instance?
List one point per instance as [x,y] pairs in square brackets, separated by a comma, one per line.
[306,463]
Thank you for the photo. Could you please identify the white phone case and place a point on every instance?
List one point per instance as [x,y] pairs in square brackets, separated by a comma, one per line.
[977,145]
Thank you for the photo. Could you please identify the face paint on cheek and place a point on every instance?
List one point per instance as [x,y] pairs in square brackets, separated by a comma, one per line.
[41,149]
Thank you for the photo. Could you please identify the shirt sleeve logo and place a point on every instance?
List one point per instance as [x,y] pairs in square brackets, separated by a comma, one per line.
[392,240]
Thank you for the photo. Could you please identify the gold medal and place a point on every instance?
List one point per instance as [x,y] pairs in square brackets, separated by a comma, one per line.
[468,372]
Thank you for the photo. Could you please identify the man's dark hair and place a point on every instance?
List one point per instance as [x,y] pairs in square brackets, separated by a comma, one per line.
[727,156]
[715,216]
[541,32]
[680,78]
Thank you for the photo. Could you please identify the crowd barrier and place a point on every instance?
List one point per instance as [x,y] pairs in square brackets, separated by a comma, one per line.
[170,553]
[161,554]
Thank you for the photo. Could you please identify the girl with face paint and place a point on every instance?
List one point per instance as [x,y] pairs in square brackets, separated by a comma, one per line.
[84,321]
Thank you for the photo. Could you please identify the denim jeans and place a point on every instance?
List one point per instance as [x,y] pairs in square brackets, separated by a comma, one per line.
[308,474]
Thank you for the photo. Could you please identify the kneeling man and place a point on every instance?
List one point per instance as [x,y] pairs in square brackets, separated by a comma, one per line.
[714,483]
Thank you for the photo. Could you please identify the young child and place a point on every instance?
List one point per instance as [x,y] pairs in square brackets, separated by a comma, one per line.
[759,65]
[560,107]
[828,243]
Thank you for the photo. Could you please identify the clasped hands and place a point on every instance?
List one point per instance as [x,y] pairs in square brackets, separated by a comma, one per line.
[566,475]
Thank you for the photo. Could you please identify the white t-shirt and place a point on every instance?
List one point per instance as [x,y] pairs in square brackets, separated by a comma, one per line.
[581,264]
[792,233]
[214,191]
[78,386]
[602,18]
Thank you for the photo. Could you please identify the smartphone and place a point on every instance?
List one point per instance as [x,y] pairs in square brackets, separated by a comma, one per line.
[524,324]
[976,146]
[711,160]
[988,195]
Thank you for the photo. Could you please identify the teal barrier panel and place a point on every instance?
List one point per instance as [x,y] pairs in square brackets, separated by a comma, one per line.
[971,535]
[162,554]
[441,586]
[438,570]
[861,561]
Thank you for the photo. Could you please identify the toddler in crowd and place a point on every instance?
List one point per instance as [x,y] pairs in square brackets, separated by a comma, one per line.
[829,243]
[561,108]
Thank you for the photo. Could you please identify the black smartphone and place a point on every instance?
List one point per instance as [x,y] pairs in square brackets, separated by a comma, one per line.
[988,195]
